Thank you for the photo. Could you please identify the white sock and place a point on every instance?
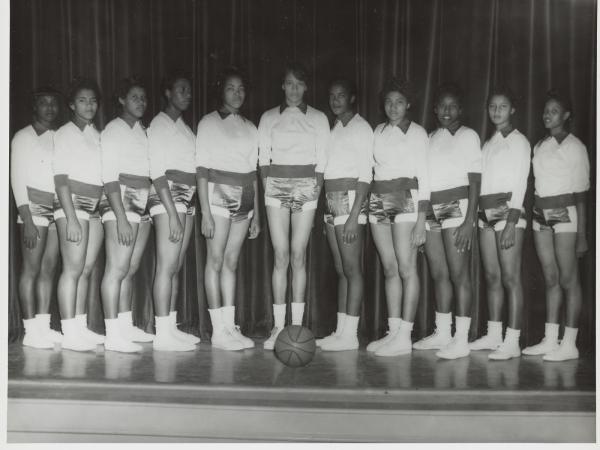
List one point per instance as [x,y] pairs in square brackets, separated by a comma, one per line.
[462,328]
[173,318]
[31,325]
[43,321]
[216,318]
[81,320]
[512,336]
[405,329]
[551,332]
[163,326]
[279,315]
[340,323]
[394,323]
[443,323]
[70,327]
[350,325]
[126,318]
[494,329]
[570,336]
[112,328]
[228,315]
[297,313]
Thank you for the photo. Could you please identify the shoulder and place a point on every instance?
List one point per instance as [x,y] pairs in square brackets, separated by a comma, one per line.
[66,131]
[379,128]
[208,119]
[465,132]
[270,114]
[112,127]
[519,140]
[24,136]
[159,121]
[574,141]
[317,115]
[361,124]
[418,130]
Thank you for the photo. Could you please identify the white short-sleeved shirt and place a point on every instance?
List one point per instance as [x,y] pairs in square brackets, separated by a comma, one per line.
[227,142]
[561,168]
[31,163]
[350,151]
[77,154]
[124,150]
[172,146]
[402,155]
[505,166]
[452,157]
[291,136]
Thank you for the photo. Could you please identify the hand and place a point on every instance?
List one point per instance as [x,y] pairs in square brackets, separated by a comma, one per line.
[74,232]
[463,236]
[254,229]
[30,235]
[581,245]
[207,226]
[507,238]
[124,233]
[350,231]
[176,230]
[417,237]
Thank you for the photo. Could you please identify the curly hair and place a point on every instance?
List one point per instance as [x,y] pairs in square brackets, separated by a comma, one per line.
[80,83]
[401,85]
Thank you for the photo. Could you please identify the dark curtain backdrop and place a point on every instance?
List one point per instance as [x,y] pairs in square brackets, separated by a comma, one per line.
[530,44]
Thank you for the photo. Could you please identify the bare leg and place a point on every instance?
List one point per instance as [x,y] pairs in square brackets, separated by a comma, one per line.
[382,236]
[279,227]
[215,250]
[406,255]
[302,223]
[460,274]
[126,296]
[493,274]
[544,246]
[564,248]
[96,237]
[438,267]
[235,240]
[342,285]
[30,272]
[45,281]
[188,222]
[510,262]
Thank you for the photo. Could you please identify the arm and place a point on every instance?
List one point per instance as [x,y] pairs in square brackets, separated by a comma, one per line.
[124,229]
[581,178]
[208,224]
[162,189]
[63,192]
[18,164]
[264,146]
[350,231]
[418,234]
[322,140]
[254,230]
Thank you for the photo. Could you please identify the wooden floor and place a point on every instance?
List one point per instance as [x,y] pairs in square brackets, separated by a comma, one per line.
[65,396]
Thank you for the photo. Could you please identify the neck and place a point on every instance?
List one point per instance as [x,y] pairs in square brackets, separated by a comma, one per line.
[453,127]
[345,116]
[290,103]
[504,128]
[80,122]
[129,119]
[558,132]
[40,126]
[173,112]
[229,109]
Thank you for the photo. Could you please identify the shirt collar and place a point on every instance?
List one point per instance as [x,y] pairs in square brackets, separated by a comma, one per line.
[398,125]
[302,107]
[225,114]
[345,122]
[507,131]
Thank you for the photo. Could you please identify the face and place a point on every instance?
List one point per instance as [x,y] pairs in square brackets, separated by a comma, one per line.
[555,115]
[180,94]
[448,110]
[134,103]
[395,105]
[85,104]
[500,110]
[45,108]
[294,89]
[234,93]
[340,101]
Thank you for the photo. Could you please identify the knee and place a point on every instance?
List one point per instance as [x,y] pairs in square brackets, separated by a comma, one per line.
[115,271]
[407,271]
[230,262]
[390,269]
[47,271]
[511,280]
[568,280]
[492,279]
[31,270]
[551,279]
[282,259]
[460,277]
[298,259]
[215,263]
[351,270]
[439,275]
[340,269]
[72,271]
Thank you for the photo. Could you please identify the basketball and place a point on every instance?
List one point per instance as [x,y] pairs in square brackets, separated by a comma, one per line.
[295,346]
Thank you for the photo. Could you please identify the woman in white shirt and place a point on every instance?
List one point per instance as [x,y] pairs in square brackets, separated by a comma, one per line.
[562,178]
[348,174]
[78,183]
[226,159]
[126,178]
[292,141]
[506,159]
[33,188]
[170,202]
[454,162]
[397,207]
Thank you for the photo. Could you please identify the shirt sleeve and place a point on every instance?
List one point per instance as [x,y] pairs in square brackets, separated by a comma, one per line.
[18,169]
[365,156]
[322,139]
[157,148]
[472,149]
[60,158]
[203,148]
[580,168]
[521,167]
[264,143]
[110,145]
[422,150]
[253,158]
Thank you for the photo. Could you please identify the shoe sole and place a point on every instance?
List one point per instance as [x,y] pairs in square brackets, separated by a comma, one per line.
[491,358]
[398,353]
[451,357]
[222,347]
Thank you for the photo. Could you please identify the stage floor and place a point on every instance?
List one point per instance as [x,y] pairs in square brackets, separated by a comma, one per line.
[339,382]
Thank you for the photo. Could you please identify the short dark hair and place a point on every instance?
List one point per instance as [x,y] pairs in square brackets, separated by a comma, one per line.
[396,84]
[227,73]
[452,89]
[560,97]
[80,83]
[505,91]
[169,80]
[297,69]
[126,84]
[43,91]
[346,83]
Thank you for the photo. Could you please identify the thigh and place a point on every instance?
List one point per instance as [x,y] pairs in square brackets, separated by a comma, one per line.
[167,252]
[510,259]
[51,251]
[384,243]
[279,227]
[436,254]
[72,253]
[302,223]
[564,250]
[117,255]
[141,240]
[33,257]
[334,243]
[238,231]
[489,249]
[406,254]
[350,253]
[187,220]
[458,262]
[95,240]
[215,247]
[544,247]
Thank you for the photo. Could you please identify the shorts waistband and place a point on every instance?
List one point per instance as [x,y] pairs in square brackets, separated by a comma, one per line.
[40,197]
[449,195]
[397,184]
[85,189]
[555,201]
[231,178]
[134,181]
[490,201]
[178,176]
[341,184]
[292,171]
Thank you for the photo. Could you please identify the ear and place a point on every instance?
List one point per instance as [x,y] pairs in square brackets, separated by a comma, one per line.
[566,115]
[512,111]
[121,101]
[408,106]
[72,106]
[353,100]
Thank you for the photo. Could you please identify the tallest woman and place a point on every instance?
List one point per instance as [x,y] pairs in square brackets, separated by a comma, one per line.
[292,141]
